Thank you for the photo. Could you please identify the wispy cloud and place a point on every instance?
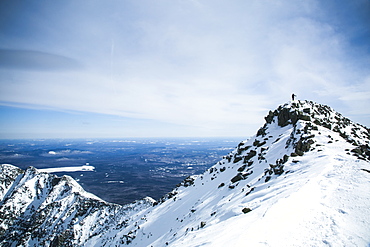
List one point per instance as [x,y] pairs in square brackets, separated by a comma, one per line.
[35,60]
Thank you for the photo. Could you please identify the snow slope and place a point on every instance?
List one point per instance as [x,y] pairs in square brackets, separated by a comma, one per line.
[317,197]
[302,180]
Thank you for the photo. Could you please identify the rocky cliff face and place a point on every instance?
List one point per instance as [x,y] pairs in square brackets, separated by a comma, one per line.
[294,183]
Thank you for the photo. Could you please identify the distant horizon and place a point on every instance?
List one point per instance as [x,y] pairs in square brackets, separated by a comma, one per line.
[126,138]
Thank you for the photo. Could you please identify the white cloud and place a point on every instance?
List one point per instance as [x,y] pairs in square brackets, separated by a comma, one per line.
[207,64]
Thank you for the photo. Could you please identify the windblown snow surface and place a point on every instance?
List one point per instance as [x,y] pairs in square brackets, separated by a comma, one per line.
[302,180]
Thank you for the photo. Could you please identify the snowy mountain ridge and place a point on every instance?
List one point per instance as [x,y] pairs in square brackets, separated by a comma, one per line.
[302,180]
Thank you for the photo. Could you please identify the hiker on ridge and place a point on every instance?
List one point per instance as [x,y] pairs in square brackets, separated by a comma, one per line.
[293,96]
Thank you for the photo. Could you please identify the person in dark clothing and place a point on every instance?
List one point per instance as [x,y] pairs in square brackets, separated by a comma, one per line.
[293,96]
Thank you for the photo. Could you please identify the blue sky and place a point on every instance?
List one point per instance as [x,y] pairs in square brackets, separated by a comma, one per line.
[171,68]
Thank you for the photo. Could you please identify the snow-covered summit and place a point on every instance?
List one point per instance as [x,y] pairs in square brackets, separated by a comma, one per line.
[302,180]
[301,145]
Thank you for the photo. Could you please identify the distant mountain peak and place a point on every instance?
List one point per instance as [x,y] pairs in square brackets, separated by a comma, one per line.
[42,209]
[293,183]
